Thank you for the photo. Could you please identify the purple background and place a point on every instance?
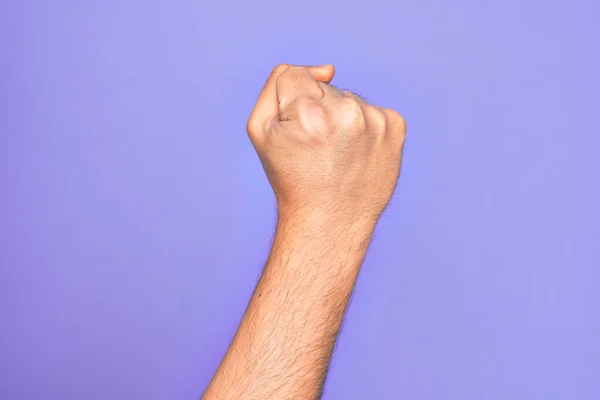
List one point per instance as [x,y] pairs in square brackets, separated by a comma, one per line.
[135,216]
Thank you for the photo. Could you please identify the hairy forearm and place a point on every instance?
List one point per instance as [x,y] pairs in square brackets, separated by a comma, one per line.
[284,343]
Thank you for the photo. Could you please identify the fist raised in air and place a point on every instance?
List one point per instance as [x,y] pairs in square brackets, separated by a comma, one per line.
[325,151]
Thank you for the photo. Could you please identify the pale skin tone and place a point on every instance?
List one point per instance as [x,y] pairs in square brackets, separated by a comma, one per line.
[333,162]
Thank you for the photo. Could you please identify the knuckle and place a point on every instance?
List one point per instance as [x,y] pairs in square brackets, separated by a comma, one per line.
[280,69]
[350,104]
[287,72]
[397,121]
[253,129]
[401,122]
[378,119]
[353,112]
[402,127]
[355,96]
[312,115]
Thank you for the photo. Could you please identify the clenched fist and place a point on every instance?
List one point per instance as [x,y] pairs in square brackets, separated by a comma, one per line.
[325,151]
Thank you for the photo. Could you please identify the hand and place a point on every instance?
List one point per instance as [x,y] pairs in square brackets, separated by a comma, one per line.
[325,151]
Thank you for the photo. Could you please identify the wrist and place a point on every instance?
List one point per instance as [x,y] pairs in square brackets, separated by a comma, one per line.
[314,222]
[338,244]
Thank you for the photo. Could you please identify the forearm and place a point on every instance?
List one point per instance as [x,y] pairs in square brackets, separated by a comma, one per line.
[283,345]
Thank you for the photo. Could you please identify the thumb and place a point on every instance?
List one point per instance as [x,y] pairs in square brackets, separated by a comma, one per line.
[322,73]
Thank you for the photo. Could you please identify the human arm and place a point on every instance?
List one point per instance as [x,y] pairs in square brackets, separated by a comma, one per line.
[284,343]
[333,162]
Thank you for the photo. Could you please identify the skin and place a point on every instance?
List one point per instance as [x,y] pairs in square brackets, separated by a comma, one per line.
[333,162]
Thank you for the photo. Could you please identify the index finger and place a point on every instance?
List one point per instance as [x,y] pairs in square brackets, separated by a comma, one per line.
[296,82]
[267,105]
